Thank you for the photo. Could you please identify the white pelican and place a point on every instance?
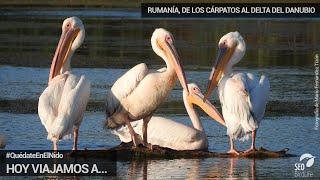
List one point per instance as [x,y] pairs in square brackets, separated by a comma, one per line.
[171,134]
[138,93]
[63,102]
[243,96]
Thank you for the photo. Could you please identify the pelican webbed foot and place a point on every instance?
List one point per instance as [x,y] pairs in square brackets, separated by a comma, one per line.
[233,151]
[232,148]
[251,149]
[136,139]
[253,144]
[148,145]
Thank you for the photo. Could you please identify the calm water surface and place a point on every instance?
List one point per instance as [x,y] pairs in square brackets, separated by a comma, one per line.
[276,133]
[117,40]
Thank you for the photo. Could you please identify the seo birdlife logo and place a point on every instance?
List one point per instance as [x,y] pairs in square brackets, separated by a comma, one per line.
[306,161]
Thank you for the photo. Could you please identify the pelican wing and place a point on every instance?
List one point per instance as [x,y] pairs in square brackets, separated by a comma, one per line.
[124,87]
[62,104]
[49,101]
[259,93]
[245,98]
[236,104]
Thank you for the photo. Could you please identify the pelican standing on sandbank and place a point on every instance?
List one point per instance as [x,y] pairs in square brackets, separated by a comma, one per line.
[138,93]
[168,133]
[62,104]
[243,96]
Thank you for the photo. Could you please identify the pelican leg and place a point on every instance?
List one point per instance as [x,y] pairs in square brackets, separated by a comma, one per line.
[232,148]
[134,135]
[145,132]
[253,144]
[55,145]
[75,139]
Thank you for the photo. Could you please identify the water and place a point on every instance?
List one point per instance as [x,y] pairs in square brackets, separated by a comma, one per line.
[92,136]
[21,89]
[117,40]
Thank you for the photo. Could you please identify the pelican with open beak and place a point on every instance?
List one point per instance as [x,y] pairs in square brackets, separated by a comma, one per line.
[139,92]
[62,104]
[243,96]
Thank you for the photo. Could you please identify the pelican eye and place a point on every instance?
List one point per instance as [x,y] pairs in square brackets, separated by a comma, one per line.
[223,44]
[168,39]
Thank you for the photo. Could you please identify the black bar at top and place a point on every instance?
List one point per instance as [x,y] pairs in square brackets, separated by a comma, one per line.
[236,10]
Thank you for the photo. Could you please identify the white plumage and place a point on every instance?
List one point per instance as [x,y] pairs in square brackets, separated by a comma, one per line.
[139,92]
[62,104]
[118,91]
[243,96]
[167,133]
[171,134]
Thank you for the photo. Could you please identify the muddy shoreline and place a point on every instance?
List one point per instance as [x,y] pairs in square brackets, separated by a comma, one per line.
[127,152]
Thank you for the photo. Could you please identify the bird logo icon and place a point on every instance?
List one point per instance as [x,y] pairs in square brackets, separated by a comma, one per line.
[309,158]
